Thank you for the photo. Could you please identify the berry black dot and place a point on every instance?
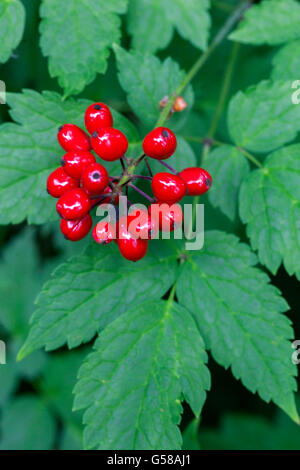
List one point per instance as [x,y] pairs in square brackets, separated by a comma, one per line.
[97,106]
[62,161]
[60,128]
[165,133]
[208,183]
[65,236]
[96,175]
[95,134]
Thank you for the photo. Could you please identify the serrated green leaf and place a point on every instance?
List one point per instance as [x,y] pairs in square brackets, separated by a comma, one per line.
[29,151]
[88,292]
[151,22]
[147,80]
[286,63]
[76,36]
[26,424]
[132,384]
[269,205]
[240,317]
[228,168]
[271,22]
[12,22]
[264,117]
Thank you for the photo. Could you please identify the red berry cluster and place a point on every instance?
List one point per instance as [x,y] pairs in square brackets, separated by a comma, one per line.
[81,183]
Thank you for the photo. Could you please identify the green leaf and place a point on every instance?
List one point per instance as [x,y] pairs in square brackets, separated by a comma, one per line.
[8,381]
[58,381]
[240,317]
[12,22]
[29,151]
[26,424]
[27,282]
[269,205]
[151,22]
[271,22]
[76,36]
[251,432]
[264,117]
[228,168]
[147,80]
[183,157]
[190,436]
[286,63]
[88,292]
[133,383]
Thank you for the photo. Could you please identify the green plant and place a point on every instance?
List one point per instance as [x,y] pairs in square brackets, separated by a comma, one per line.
[148,325]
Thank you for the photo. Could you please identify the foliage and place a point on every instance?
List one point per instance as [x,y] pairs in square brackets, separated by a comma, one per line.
[142,331]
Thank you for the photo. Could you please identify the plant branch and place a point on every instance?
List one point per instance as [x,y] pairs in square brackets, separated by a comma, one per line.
[250,157]
[232,19]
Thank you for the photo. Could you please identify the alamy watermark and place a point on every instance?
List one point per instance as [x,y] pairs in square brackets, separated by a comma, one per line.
[296,354]
[170,218]
[2,92]
[296,95]
[2,352]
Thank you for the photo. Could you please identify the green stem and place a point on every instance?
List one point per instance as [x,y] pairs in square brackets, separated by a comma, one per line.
[233,18]
[250,157]
[224,90]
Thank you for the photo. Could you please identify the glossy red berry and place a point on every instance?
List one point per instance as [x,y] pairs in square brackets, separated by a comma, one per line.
[168,188]
[160,143]
[141,225]
[75,161]
[97,115]
[197,179]
[167,216]
[131,248]
[109,144]
[75,230]
[59,182]
[94,178]
[104,232]
[71,137]
[73,204]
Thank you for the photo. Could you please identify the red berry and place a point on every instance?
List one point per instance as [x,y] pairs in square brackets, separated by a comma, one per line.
[198,180]
[94,178]
[168,188]
[104,232]
[109,143]
[141,225]
[167,216]
[130,247]
[160,143]
[74,162]
[59,182]
[71,137]
[73,204]
[97,115]
[75,230]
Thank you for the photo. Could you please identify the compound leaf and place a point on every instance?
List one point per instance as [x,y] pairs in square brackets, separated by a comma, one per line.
[151,22]
[286,62]
[229,168]
[240,317]
[76,36]
[133,382]
[269,205]
[88,292]
[147,80]
[12,22]
[264,117]
[271,22]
